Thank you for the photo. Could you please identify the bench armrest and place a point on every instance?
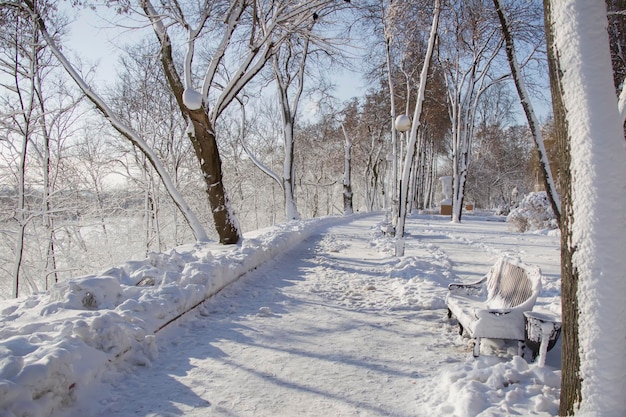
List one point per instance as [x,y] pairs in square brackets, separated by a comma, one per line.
[471,286]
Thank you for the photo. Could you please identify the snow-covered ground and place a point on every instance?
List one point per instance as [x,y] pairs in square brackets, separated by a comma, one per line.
[319,319]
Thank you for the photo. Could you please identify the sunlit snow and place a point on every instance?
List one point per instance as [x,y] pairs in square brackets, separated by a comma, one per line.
[306,319]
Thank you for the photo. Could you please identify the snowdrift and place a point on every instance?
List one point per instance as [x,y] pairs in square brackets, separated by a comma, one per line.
[54,343]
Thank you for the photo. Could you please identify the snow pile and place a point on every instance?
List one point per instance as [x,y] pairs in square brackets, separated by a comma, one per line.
[488,386]
[54,343]
[533,213]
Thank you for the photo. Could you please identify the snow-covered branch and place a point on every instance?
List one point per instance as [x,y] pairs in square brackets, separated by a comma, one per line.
[232,19]
[242,134]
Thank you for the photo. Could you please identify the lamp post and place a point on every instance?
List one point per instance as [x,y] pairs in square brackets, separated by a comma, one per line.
[402,124]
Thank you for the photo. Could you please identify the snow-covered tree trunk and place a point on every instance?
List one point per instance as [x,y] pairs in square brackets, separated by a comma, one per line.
[48,221]
[594,219]
[392,192]
[412,143]
[201,127]
[202,137]
[462,123]
[20,216]
[570,356]
[372,170]
[347,173]
[289,186]
[458,188]
[422,174]
[21,80]
[50,268]
[533,122]
[285,82]
[431,169]
[460,161]
[416,172]
[427,183]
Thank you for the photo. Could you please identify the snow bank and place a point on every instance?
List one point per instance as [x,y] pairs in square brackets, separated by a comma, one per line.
[488,386]
[54,345]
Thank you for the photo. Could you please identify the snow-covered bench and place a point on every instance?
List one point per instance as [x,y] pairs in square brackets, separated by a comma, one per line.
[494,306]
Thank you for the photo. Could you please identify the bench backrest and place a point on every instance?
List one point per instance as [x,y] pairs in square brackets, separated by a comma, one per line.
[510,284]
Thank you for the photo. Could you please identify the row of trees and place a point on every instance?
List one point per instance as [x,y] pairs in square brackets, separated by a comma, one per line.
[169,107]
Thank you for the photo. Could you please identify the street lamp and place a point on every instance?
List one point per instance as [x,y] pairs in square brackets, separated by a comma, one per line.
[403,123]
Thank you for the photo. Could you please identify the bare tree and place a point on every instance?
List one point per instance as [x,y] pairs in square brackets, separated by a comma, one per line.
[525,100]
[371,149]
[288,65]
[143,100]
[37,111]
[412,142]
[466,55]
[33,11]
[248,40]
[292,62]
[270,27]
[350,120]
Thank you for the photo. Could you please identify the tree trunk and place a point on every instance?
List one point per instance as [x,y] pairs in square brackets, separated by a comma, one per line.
[392,196]
[202,137]
[21,222]
[460,179]
[347,183]
[50,269]
[570,358]
[595,235]
[205,146]
[291,208]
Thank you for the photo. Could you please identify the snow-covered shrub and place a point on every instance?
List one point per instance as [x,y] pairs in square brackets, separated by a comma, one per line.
[502,210]
[533,213]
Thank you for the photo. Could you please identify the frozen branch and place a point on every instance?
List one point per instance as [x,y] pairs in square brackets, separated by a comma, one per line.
[242,133]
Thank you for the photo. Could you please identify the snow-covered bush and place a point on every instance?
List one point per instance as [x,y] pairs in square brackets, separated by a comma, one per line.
[533,213]
[502,210]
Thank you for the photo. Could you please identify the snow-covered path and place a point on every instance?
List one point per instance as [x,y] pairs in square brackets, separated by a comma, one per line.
[337,326]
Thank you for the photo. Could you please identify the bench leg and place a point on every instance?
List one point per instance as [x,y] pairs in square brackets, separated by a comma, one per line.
[520,348]
[449,314]
[460,329]
[476,351]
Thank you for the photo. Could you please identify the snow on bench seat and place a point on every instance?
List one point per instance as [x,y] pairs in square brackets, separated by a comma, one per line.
[494,306]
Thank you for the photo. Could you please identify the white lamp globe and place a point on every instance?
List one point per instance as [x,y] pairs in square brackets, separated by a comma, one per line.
[403,123]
